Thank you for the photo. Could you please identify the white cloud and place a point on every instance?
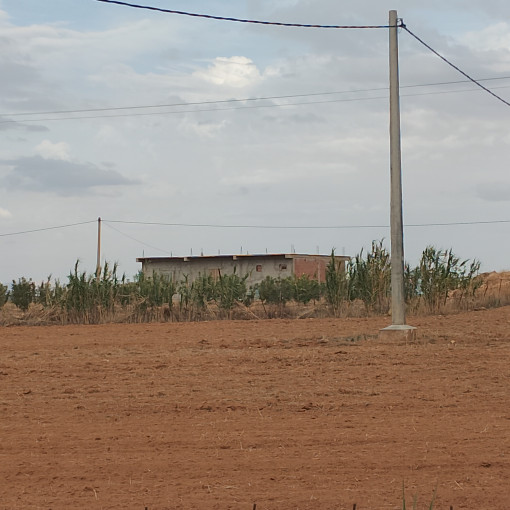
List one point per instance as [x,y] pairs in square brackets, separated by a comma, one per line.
[493,37]
[236,72]
[4,213]
[55,45]
[50,150]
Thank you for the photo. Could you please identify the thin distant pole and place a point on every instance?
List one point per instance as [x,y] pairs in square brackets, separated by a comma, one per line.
[98,264]
[396,221]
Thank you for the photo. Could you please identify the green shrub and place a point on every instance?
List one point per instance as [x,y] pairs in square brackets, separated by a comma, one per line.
[156,290]
[276,291]
[4,294]
[306,289]
[23,292]
[229,290]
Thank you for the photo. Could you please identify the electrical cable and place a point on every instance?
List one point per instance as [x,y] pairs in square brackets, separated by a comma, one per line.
[177,112]
[401,25]
[137,240]
[202,110]
[310,227]
[47,228]
[268,227]
[238,20]
[454,66]
[248,99]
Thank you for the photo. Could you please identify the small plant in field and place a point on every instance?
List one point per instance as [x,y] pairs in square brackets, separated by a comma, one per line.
[415,499]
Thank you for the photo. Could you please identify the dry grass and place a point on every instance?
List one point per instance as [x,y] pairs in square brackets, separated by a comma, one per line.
[493,292]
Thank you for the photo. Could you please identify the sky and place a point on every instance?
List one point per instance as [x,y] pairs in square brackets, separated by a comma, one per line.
[229,165]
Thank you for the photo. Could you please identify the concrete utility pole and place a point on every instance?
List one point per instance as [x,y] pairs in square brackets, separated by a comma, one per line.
[398,326]
[98,264]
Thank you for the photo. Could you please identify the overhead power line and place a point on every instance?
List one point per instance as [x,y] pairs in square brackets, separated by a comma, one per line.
[401,25]
[46,228]
[138,240]
[201,110]
[301,227]
[267,227]
[476,82]
[246,99]
[238,20]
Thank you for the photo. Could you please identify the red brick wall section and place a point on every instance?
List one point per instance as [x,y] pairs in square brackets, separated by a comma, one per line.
[313,268]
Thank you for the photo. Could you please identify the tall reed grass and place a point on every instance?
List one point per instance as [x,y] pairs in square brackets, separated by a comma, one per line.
[441,282]
[429,287]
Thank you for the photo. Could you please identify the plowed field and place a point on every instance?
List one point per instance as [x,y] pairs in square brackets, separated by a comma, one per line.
[298,414]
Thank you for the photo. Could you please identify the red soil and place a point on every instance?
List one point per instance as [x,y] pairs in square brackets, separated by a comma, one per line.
[287,414]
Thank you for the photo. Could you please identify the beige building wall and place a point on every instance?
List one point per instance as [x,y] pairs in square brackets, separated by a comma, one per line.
[257,267]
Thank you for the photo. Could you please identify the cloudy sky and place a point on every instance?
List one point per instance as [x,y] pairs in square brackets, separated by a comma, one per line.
[317,159]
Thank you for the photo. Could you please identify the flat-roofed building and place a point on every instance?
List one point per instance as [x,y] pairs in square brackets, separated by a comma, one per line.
[257,267]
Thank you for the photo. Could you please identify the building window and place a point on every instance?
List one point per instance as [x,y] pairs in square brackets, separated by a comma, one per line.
[258,268]
[283,267]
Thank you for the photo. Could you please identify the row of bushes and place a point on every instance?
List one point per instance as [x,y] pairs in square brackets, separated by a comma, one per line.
[88,298]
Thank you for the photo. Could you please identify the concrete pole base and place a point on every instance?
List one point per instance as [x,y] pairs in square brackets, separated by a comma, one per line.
[402,333]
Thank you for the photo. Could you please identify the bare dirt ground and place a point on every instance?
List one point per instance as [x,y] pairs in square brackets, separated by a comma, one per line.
[284,414]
